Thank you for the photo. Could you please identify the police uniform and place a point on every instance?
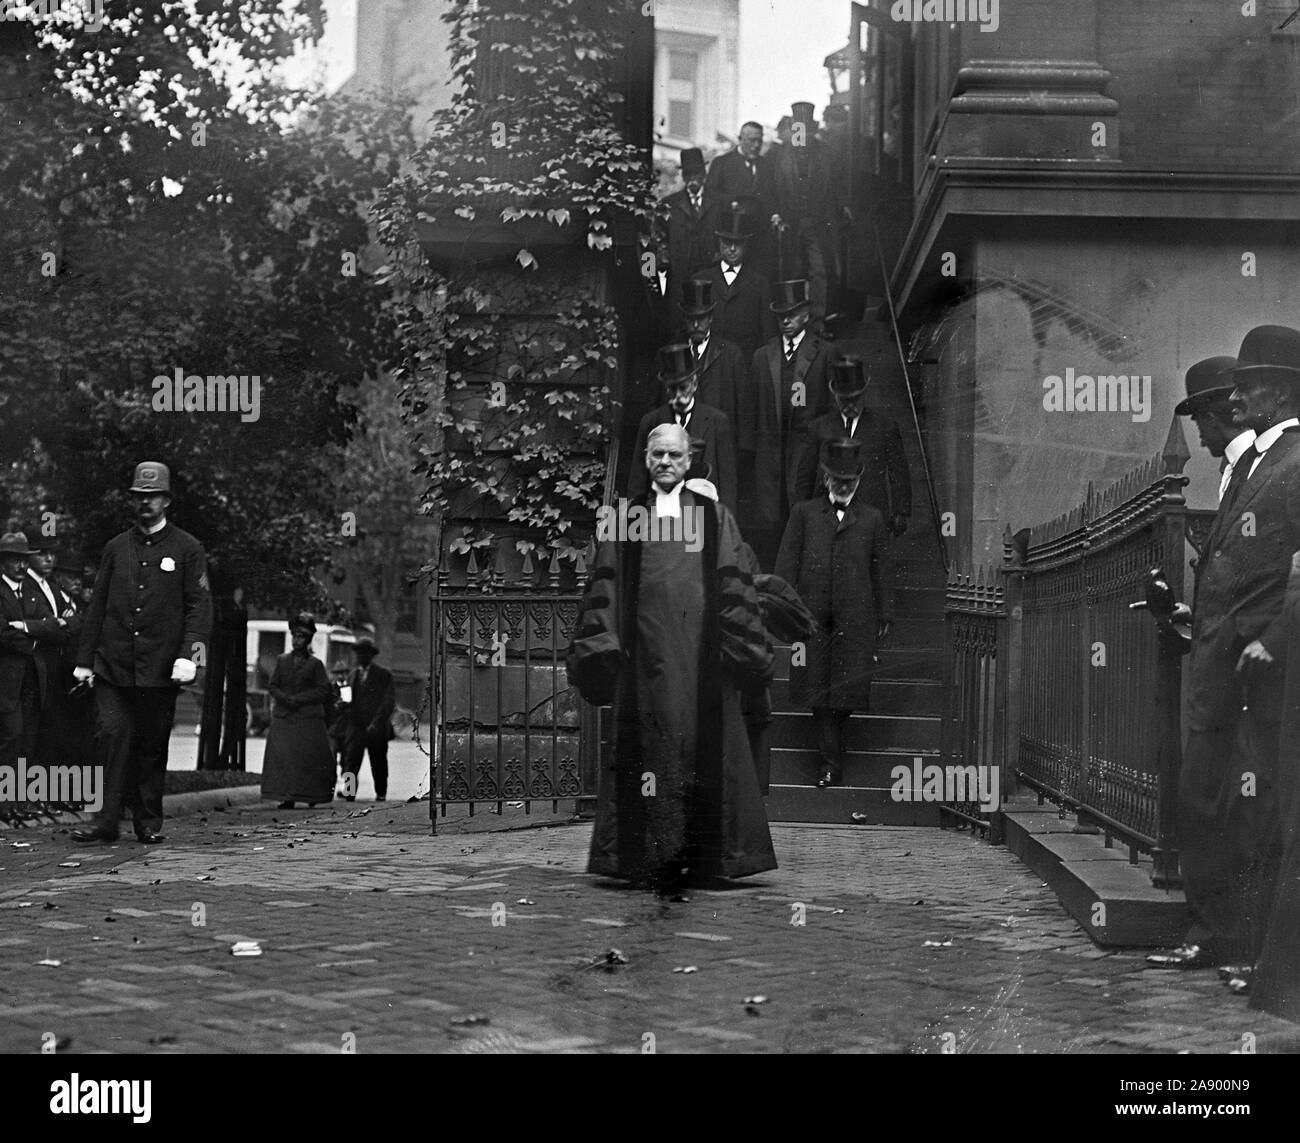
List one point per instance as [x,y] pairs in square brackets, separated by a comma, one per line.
[151,608]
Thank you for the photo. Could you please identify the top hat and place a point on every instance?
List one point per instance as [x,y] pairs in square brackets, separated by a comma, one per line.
[303,621]
[676,363]
[1205,380]
[848,377]
[804,113]
[697,297]
[364,644]
[152,476]
[15,544]
[842,457]
[692,163]
[734,223]
[71,561]
[790,296]
[1275,347]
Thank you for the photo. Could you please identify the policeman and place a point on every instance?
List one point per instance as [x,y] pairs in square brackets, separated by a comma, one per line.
[149,618]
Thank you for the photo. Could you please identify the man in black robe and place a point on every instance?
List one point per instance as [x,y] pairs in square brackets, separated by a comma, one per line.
[670,630]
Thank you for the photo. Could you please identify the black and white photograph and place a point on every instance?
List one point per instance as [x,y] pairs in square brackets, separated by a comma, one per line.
[650,527]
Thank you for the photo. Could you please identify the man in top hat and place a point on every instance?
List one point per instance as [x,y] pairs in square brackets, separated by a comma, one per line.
[835,554]
[148,622]
[372,700]
[811,205]
[722,368]
[742,294]
[53,622]
[886,481]
[689,219]
[679,374]
[1227,813]
[19,682]
[1208,404]
[787,391]
[743,179]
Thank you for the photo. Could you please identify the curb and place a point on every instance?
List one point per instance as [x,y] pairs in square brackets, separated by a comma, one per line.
[184,805]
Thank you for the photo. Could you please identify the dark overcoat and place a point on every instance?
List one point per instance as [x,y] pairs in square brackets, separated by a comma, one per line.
[886,482]
[843,573]
[724,379]
[608,665]
[17,650]
[709,425]
[742,311]
[691,242]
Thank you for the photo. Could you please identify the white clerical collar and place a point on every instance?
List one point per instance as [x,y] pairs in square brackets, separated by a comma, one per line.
[15,585]
[1265,440]
[668,503]
[1239,444]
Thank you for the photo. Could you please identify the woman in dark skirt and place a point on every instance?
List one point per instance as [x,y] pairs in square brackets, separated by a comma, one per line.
[299,763]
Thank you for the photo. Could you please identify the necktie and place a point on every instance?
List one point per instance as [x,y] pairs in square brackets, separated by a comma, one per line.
[683,419]
[753,170]
[789,349]
[848,427]
[1240,473]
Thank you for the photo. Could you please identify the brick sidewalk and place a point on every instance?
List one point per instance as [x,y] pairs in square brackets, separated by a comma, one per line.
[373,929]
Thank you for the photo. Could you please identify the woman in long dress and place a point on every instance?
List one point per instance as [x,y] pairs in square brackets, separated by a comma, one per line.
[299,763]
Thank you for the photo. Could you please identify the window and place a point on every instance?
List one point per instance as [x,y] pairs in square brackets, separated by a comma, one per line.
[683,68]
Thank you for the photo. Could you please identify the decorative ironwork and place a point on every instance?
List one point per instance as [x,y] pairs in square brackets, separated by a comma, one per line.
[513,787]
[569,785]
[542,786]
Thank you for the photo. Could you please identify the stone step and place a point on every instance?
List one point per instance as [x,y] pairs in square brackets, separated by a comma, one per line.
[870,769]
[838,804]
[888,697]
[794,730]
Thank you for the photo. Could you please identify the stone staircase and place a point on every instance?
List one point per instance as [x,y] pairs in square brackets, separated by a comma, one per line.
[907,692]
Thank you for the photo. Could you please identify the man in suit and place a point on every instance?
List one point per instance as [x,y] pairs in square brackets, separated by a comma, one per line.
[1227,814]
[150,617]
[679,374]
[742,179]
[19,686]
[886,481]
[370,726]
[722,369]
[73,718]
[689,215]
[835,554]
[788,390]
[1208,403]
[50,621]
[810,205]
[743,295]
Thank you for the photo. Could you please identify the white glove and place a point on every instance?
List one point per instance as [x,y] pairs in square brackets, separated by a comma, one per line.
[84,675]
[183,671]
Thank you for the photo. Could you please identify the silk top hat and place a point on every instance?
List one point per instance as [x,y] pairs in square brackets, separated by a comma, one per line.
[734,224]
[692,163]
[842,458]
[303,621]
[14,544]
[152,476]
[1205,380]
[803,113]
[848,377]
[1275,347]
[790,296]
[697,297]
[676,363]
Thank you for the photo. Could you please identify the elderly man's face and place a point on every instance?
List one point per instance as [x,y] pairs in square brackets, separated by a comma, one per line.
[698,326]
[842,489]
[751,141]
[681,393]
[150,507]
[13,566]
[850,404]
[667,459]
[732,250]
[792,323]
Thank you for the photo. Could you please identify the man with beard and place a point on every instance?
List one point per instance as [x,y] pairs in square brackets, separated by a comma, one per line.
[149,617]
[669,631]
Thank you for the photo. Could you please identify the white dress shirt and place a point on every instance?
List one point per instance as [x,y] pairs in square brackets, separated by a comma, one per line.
[684,418]
[45,590]
[1239,444]
[1267,439]
[729,273]
[840,509]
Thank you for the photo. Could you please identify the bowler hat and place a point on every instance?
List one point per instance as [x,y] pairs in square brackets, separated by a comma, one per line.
[676,363]
[152,476]
[734,224]
[842,457]
[1205,380]
[804,113]
[790,296]
[848,377]
[697,297]
[15,544]
[303,621]
[365,645]
[71,561]
[1275,347]
[692,163]
[42,543]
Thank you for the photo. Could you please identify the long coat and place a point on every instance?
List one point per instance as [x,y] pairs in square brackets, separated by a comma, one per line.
[707,424]
[691,242]
[742,313]
[810,187]
[675,689]
[17,652]
[725,383]
[773,424]
[1228,843]
[730,181]
[370,713]
[299,762]
[150,607]
[843,573]
[886,482]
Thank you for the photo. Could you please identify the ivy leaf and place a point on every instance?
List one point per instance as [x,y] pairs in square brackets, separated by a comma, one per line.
[599,241]
[560,217]
[527,261]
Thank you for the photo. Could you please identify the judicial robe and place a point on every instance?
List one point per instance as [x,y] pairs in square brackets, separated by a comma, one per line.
[670,636]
